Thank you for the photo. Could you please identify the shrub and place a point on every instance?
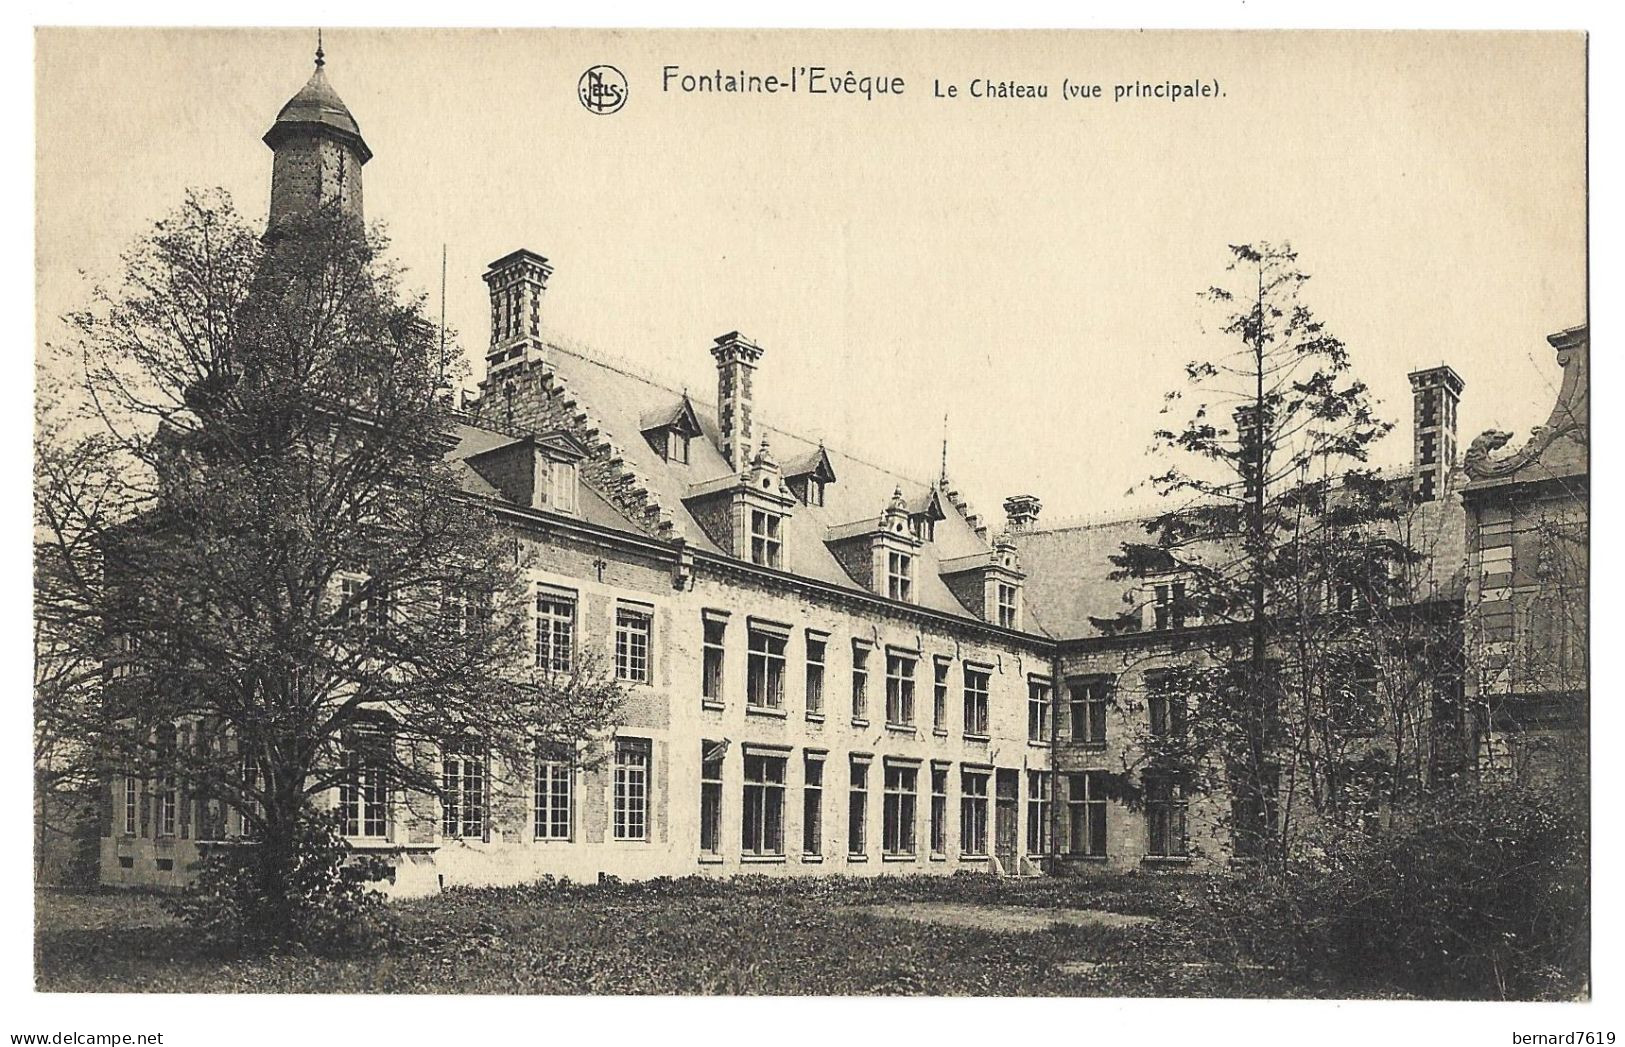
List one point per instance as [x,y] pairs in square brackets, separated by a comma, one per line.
[319,901]
[1478,893]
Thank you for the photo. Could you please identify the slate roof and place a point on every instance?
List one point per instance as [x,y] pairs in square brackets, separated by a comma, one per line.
[1069,566]
[622,403]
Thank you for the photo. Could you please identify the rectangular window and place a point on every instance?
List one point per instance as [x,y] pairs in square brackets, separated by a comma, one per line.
[857,809]
[765,541]
[554,806]
[1038,710]
[939,696]
[711,754]
[939,810]
[631,807]
[900,576]
[1007,605]
[860,682]
[1086,814]
[711,674]
[1039,829]
[976,681]
[1165,709]
[250,773]
[973,812]
[1165,817]
[363,800]
[462,784]
[1084,714]
[168,787]
[562,478]
[130,806]
[812,806]
[902,786]
[633,632]
[1169,608]
[815,675]
[764,677]
[555,629]
[815,491]
[899,690]
[764,805]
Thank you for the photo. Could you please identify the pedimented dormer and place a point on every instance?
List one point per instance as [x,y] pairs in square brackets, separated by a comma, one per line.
[671,428]
[539,471]
[882,553]
[809,475]
[989,584]
[745,514]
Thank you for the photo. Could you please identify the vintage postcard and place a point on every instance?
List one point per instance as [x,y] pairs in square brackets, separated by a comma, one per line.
[732,512]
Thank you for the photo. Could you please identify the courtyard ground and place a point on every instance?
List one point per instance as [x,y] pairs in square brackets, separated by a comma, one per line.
[976,935]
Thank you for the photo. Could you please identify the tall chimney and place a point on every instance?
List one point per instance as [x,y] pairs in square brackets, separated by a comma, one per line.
[516,282]
[1437,391]
[736,360]
[1021,512]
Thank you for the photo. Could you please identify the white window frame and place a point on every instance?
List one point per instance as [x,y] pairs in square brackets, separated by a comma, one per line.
[554,631]
[633,624]
[1005,595]
[1040,801]
[900,669]
[766,538]
[976,700]
[554,794]
[817,655]
[900,813]
[974,788]
[763,808]
[765,668]
[562,483]
[899,576]
[630,803]
[1040,709]
[464,804]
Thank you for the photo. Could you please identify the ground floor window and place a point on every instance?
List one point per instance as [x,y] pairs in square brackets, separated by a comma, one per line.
[973,812]
[554,804]
[1086,814]
[1038,812]
[363,799]
[631,799]
[939,810]
[857,809]
[462,784]
[812,806]
[711,797]
[130,806]
[902,786]
[764,805]
[1165,808]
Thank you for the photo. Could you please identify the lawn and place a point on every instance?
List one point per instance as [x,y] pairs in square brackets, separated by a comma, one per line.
[973,935]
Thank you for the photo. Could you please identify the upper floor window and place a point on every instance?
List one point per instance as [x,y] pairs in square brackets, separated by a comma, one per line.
[976,681]
[899,576]
[924,528]
[713,650]
[1168,609]
[1083,717]
[634,631]
[813,491]
[860,682]
[555,629]
[1166,709]
[939,695]
[899,690]
[1038,710]
[764,679]
[1007,605]
[766,543]
[816,646]
[673,446]
[368,611]
[562,486]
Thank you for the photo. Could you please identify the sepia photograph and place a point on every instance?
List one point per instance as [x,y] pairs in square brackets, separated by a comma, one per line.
[590,512]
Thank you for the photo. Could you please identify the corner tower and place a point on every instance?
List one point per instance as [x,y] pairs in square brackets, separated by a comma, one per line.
[318,152]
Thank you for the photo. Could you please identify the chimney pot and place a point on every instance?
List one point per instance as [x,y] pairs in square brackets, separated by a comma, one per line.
[1021,512]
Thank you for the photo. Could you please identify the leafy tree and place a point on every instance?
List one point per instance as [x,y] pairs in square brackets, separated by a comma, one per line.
[251,510]
[1293,556]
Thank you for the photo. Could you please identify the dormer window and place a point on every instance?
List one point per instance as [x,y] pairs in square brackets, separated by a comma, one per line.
[766,542]
[1168,610]
[925,528]
[670,428]
[671,445]
[562,486]
[812,492]
[1007,605]
[900,576]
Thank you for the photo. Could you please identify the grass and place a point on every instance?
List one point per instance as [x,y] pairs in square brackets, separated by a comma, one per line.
[826,936]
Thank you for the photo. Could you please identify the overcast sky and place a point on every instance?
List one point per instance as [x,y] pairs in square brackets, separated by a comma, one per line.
[1029,268]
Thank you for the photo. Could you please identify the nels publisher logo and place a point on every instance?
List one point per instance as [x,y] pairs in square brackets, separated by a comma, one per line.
[602,89]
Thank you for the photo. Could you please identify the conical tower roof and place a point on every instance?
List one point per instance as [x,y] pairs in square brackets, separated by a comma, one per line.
[317,107]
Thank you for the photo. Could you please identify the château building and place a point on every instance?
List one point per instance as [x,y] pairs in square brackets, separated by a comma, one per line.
[832,668]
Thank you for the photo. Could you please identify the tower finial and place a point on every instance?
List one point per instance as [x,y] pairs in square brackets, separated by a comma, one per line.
[321,57]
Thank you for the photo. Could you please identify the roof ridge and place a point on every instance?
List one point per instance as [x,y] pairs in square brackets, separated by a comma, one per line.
[623,366]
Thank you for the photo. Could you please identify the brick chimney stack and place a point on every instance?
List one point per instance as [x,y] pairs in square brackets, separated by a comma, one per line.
[1021,512]
[1437,392]
[516,282]
[736,361]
